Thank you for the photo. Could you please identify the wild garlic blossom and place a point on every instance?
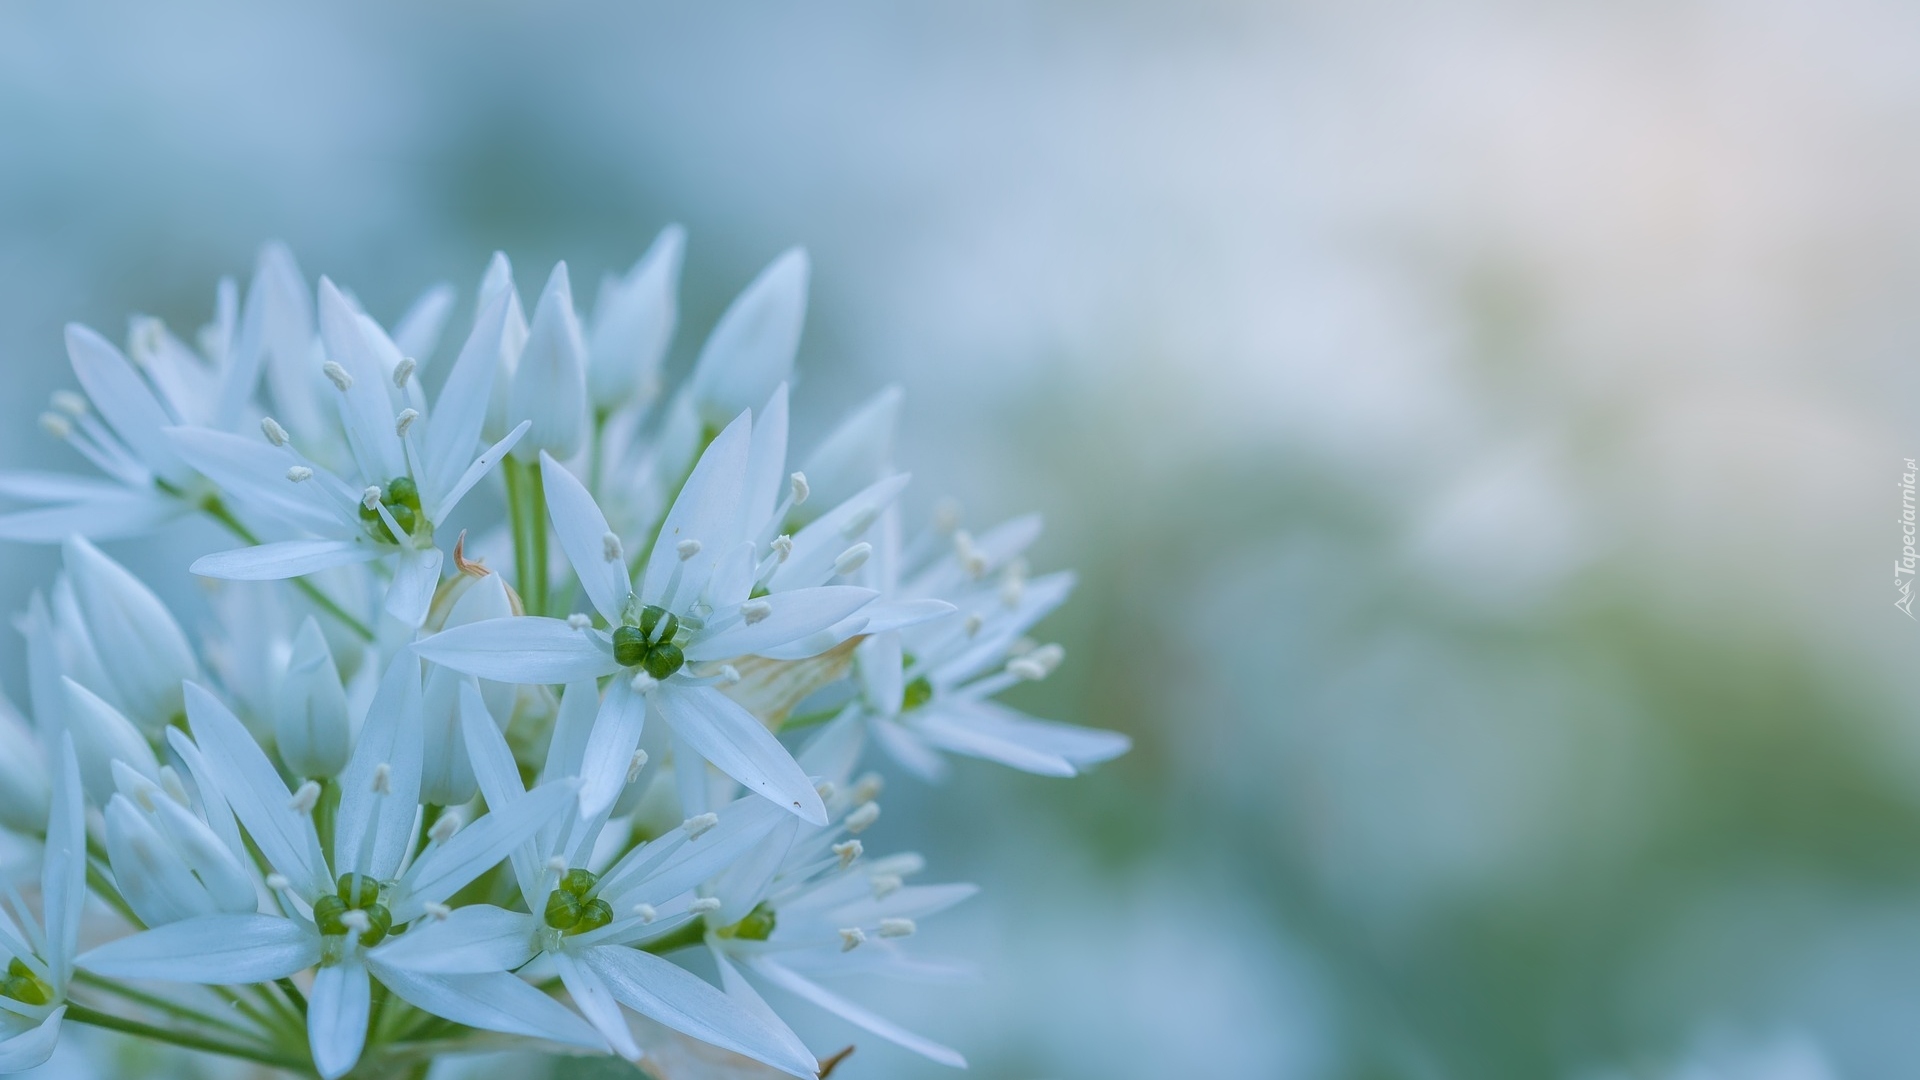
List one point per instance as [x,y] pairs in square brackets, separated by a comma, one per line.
[384,800]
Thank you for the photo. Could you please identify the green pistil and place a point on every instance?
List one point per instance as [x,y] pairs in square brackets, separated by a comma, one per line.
[919,692]
[401,497]
[354,892]
[650,645]
[568,908]
[22,985]
[757,925]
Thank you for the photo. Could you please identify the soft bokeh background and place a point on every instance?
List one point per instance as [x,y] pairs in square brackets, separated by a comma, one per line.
[1477,424]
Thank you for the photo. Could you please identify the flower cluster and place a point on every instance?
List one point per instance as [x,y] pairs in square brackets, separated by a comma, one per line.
[592,783]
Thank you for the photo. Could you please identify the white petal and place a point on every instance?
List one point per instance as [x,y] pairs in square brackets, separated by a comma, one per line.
[855,1014]
[102,736]
[857,453]
[418,331]
[985,729]
[817,546]
[250,785]
[227,883]
[285,559]
[708,723]
[214,949]
[751,348]
[642,876]
[911,751]
[123,400]
[582,531]
[34,485]
[885,616]
[610,746]
[310,708]
[707,509]
[882,672]
[499,779]
[365,406]
[794,615]
[741,991]
[337,1008]
[747,881]
[477,848]
[596,1002]
[481,466]
[550,384]
[33,1046]
[24,798]
[1039,598]
[415,575]
[252,475]
[493,1001]
[910,902]
[474,939]
[453,431]
[129,623]
[63,868]
[372,829]
[153,881]
[525,649]
[767,464]
[567,748]
[661,990]
[108,517]
[632,324]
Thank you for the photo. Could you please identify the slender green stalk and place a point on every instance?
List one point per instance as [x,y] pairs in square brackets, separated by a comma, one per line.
[100,884]
[293,994]
[155,1001]
[80,1014]
[537,527]
[517,523]
[218,511]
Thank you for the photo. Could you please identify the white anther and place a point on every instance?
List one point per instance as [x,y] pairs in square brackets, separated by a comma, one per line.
[278,882]
[1026,667]
[825,790]
[557,864]
[299,473]
[860,522]
[687,549]
[437,912]
[853,558]
[885,885]
[370,498]
[972,624]
[144,797]
[782,547]
[404,421]
[643,683]
[798,483]
[610,548]
[970,558]
[444,828]
[403,371]
[645,912]
[729,675]
[305,798]
[698,824]
[868,788]
[848,850]
[577,621]
[74,405]
[705,905]
[146,338]
[170,783]
[860,820]
[1013,589]
[851,937]
[897,928]
[946,514]
[337,375]
[271,428]
[383,779]
[635,764]
[56,425]
[755,610]
[356,919]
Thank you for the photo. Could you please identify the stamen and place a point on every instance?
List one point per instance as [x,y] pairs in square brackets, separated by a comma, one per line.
[370,498]
[645,912]
[610,548]
[729,674]
[577,621]
[437,912]
[897,928]
[799,488]
[403,371]
[705,905]
[383,779]
[946,514]
[698,824]
[853,558]
[860,820]
[825,789]
[643,683]
[444,828]
[304,799]
[782,547]
[1037,664]
[278,882]
[885,885]
[56,425]
[557,864]
[74,405]
[355,919]
[851,938]
[337,375]
[271,428]
[687,549]
[298,473]
[868,788]
[970,558]
[755,610]
[848,850]
[635,764]
[404,421]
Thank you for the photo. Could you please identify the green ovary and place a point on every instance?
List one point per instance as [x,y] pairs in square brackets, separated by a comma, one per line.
[650,645]
[401,497]
[568,909]
[354,892]
[22,985]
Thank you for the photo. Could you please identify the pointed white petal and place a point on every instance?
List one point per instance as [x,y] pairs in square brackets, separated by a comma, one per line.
[910,750]
[373,827]
[550,384]
[707,509]
[415,575]
[582,530]
[767,464]
[477,848]
[337,1008]
[102,736]
[751,348]
[252,474]
[214,949]
[453,431]
[859,452]
[499,779]
[567,748]
[365,406]
[242,773]
[742,992]
[682,1001]
[985,729]
[888,615]
[418,331]
[285,559]
[642,876]
[596,1002]
[610,746]
[790,981]
[33,1046]
[34,485]
[480,467]
[129,623]
[63,868]
[492,1001]
[793,616]
[310,708]
[123,400]
[153,881]
[632,324]
[474,939]
[524,649]
[817,546]
[108,517]
[712,726]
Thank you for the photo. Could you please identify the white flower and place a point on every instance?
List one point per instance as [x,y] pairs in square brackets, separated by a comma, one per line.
[127,622]
[691,608]
[550,380]
[167,863]
[410,467]
[40,959]
[310,718]
[751,348]
[23,777]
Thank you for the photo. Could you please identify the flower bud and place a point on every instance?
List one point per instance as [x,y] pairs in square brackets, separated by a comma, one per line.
[310,716]
[550,383]
[750,351]
[23,774]
[513,338]
[633,322]
[131,628]
[101,736]
[168,865]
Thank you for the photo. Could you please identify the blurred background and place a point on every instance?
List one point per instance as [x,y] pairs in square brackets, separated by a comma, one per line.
[1478,426]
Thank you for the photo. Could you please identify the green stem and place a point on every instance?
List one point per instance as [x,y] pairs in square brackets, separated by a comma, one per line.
[517,523]
[218,511]
[537,525]
[80,1014]
[293,994]
[154,1001]
[99,883]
